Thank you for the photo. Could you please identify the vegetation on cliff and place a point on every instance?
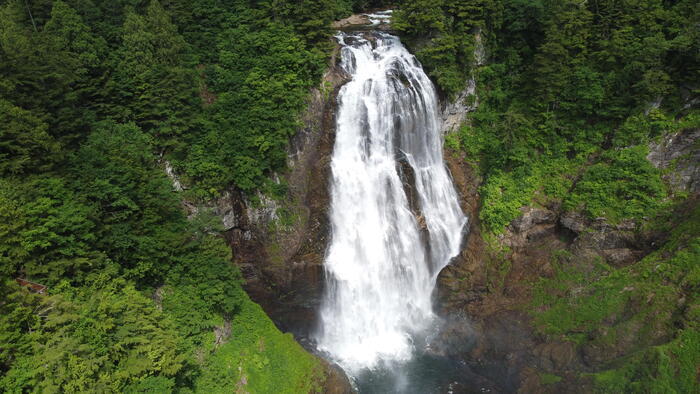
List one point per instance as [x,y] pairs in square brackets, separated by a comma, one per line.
[641,322]
[94,96]
[570,98]
[571,95]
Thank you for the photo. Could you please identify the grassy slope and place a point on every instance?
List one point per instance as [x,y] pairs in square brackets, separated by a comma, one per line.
[645,316]
[260,359]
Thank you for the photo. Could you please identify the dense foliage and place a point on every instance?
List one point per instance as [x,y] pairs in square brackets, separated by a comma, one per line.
[570,95]
[94,97]
[567,86]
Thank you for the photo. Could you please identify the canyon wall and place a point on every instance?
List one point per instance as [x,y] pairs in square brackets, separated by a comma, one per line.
[485,294]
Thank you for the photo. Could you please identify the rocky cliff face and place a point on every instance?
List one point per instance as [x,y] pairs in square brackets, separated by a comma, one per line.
[678,154]
[280,245]
[491,281]
[454,112]
[484,293]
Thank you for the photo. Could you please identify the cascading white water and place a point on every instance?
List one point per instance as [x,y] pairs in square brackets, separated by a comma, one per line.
[381,267]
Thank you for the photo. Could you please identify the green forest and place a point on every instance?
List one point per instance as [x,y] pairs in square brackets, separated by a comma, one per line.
[570,97]
[568,91]
[96,96]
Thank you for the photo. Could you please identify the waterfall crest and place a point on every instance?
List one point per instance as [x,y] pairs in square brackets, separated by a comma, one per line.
[384,257]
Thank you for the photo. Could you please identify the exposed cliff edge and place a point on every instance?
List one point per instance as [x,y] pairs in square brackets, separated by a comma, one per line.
[279,244]
[678,154]
[486,293]
[493,279]
[281,257]
[455,111]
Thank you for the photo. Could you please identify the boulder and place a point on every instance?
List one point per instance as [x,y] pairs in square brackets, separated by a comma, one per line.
[574,221]
[351,21]
[621,257]
[531,217]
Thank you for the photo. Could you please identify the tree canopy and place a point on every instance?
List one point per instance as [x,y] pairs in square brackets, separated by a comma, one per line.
[94,96]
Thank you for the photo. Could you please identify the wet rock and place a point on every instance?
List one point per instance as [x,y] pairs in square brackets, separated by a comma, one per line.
[336,382]
[502,348]
[351,21]
[530,381]
[462,284]
[455,337]
[555,356]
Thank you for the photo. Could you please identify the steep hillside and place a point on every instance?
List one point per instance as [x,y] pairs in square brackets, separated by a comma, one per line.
[578,162]
[164,169]
[98,100]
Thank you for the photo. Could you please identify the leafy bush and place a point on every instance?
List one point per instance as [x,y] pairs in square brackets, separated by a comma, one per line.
[92,97]
[262,80]
[100,338]
[623,185]
[505,195]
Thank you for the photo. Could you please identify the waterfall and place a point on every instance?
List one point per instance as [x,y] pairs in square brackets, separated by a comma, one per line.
[386,250]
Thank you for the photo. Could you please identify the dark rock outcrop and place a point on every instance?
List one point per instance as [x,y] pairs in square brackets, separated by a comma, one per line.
[335,381]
